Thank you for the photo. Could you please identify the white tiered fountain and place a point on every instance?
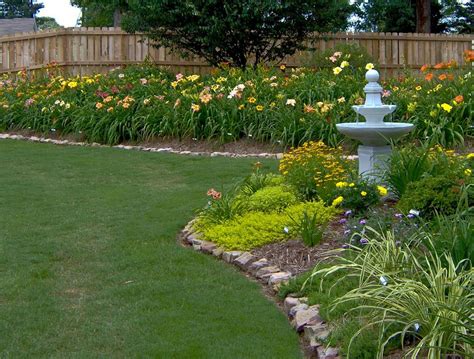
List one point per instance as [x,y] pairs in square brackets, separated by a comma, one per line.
[374,133]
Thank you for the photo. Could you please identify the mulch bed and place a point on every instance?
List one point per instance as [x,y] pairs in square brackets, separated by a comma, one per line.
[295,257]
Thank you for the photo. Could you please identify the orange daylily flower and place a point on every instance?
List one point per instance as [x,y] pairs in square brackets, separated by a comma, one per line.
[429,76]
[424,68]
[469,55]
[459,98]
[442,77]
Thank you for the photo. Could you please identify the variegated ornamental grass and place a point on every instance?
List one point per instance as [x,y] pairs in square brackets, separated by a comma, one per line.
[409,291]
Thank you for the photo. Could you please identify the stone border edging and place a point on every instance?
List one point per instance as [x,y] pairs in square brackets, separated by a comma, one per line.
[305,319]
[5,136]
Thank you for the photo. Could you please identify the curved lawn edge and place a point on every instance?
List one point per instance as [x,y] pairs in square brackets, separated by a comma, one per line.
[41,139]
[90,266]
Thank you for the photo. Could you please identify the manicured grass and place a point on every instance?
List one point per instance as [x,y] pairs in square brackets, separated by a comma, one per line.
[89,265]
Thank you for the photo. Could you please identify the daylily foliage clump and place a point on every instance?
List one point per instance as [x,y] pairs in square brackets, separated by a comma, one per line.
[278,105]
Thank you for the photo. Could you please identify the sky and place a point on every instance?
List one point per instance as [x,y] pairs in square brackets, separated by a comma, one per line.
[61,10]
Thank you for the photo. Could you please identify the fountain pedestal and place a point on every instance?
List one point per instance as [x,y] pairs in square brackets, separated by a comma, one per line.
[373,160]
[374,133]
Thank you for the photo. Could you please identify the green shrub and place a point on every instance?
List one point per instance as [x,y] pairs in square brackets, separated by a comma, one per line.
[255,229]
[270,199]
[431,195]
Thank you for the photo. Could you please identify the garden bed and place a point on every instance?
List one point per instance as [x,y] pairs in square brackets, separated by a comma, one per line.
[282,108]
[358,239]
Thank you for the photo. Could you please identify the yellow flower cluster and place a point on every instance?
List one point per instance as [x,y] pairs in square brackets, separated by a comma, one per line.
[337,201]
[324,163]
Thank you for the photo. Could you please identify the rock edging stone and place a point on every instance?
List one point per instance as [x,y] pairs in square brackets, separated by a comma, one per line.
[7,136]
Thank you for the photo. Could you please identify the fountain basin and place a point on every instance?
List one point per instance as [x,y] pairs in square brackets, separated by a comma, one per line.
[374,134]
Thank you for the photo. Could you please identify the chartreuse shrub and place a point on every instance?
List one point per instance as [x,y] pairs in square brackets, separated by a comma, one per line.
[254,229]
[407,290]
[273,198]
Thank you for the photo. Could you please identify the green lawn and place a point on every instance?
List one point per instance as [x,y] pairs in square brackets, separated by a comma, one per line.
[89,264]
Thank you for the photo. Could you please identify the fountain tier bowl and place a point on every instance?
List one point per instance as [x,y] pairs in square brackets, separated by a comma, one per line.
[371,134]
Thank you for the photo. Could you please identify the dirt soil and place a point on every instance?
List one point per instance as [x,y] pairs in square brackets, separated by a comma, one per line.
[295,257]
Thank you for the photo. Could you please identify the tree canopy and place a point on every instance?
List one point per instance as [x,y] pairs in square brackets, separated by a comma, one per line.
[235,31]
[100,13]
[19,8]
[45,23]
[402,15]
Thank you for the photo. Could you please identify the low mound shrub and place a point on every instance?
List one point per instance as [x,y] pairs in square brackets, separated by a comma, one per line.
[273,198]
[431,195]
[255,229]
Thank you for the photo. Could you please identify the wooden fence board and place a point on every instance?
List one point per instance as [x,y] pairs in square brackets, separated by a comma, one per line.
[84,50]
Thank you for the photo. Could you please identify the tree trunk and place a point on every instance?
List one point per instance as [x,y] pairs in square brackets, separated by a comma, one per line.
[423,16]
[117,17]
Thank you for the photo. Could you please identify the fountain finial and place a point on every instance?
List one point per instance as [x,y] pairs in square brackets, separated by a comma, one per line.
[372,75]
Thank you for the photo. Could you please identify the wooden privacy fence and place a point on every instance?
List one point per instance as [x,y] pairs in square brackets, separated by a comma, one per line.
[89,50]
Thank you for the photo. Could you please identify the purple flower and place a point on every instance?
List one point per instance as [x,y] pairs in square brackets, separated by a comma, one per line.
[398,215]
[347,231]
[342,221]
[348,213]
[345,246]
[362,221]
[364,241]
[410,215]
